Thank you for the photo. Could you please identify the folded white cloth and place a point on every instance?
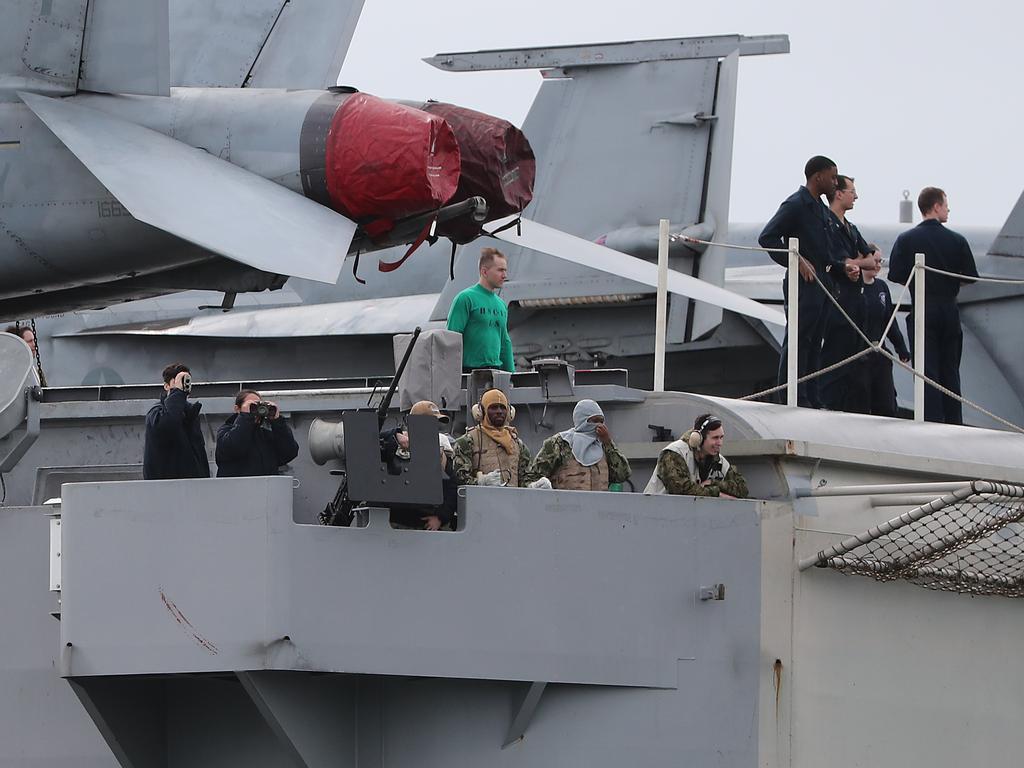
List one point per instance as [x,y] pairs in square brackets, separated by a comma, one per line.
[492,478]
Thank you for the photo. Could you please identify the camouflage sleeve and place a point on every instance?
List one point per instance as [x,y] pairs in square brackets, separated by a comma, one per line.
[464,474]
[548,459]
[618,465]
[524,462]
[676,477]
[734,484]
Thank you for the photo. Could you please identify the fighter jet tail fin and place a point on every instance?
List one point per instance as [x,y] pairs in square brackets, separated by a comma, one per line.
[201,198]
[58,47]
[261,43]
[1010,240]
[41,46]
[126,48]
[626,134]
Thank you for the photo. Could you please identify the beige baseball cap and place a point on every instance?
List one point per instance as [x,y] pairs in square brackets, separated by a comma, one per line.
[427,408]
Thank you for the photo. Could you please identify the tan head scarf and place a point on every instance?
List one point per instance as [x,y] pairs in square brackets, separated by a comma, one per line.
[503,436]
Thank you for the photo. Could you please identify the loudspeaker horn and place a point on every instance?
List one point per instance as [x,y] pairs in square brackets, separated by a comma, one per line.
[326,441]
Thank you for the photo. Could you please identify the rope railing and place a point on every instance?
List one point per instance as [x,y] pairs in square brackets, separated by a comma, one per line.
[973,279]
[871,346]
[681,238]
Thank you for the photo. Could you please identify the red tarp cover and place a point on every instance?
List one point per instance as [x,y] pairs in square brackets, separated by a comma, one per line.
[497,164]
[385,160]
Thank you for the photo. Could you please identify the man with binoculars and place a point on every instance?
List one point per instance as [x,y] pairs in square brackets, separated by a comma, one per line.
[255,440]
[175,448]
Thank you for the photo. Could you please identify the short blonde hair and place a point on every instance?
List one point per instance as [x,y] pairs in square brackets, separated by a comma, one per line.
[488,255]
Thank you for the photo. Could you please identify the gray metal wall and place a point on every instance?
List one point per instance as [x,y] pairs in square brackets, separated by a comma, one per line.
[600,599]
[42,725]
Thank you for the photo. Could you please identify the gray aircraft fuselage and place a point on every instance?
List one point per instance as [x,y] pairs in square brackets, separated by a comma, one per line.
[62,229]
[81,178]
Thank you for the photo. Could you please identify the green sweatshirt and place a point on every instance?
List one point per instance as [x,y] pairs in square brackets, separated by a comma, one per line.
[482,319]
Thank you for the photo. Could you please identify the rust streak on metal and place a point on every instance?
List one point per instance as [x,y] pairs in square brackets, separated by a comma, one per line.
[777,679]
[186,624]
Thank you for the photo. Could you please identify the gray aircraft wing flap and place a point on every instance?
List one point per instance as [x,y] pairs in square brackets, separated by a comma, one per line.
[260,43]
[126,48]
[546,240]
[201,198]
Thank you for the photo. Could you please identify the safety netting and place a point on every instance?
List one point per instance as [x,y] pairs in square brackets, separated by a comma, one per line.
[970,541]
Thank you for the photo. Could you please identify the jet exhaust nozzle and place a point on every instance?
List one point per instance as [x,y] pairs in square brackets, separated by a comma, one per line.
[374,160]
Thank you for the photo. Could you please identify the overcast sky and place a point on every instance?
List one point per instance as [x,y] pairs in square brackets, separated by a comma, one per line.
[900,93]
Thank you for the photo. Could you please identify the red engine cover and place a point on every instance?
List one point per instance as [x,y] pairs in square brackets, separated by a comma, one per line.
[497,164]
[389,161]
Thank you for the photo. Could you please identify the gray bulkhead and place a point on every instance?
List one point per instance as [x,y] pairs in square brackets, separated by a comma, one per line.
[211,625]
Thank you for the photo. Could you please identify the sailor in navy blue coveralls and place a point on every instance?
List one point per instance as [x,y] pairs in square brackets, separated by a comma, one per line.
[803,215]
[860,385]
[864,385]
[948,250]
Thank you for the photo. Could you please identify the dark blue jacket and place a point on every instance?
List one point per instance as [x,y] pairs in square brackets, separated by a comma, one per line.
[807,218]
[848,238]
[869,305]
[877,310]
[942,248]
[174,440]
[246,450]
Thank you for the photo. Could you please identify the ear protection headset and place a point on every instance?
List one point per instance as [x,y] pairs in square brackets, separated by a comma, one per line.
[478,410]
[699,435]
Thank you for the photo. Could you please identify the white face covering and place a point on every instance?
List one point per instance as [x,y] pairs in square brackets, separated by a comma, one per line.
[586,447]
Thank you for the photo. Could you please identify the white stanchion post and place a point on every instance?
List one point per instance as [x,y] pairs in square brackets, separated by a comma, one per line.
[919,336]
[661,308]
[792,320]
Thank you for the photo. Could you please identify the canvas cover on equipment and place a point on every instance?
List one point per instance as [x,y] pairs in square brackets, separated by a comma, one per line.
[497,165]
[434,371]
[383,156]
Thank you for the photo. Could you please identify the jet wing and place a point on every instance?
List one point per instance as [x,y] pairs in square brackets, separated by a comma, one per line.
[538,237]
[260,43]
[201,198]
[365,317]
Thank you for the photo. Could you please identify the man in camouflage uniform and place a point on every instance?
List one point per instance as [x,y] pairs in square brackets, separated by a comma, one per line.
[583,458]
[694,464]
[491,453]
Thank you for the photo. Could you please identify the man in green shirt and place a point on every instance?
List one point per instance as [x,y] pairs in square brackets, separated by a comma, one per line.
[482,318]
